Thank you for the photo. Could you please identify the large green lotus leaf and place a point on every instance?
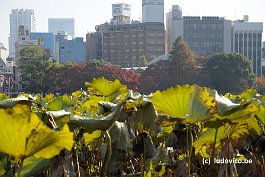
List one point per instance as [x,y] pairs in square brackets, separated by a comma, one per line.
[239,113]
[189,102]
[106,88]
[204,143]
[93,101]
[3,97]
[144,117]
[248,94]
[59,103]
[261,113]
[120,136]
[55,104]
[255,127]
[90,137]
[92,124]
[33,166]
[26,136]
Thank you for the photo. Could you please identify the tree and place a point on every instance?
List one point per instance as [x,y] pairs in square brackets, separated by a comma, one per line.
[33,65]
[181,52]
[143,61]
[68,78]
[230,72]
[179,69]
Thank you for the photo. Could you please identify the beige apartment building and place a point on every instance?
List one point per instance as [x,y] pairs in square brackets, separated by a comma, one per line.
[127,44]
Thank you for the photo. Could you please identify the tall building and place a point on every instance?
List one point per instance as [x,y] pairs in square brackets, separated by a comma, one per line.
[204,35]
[3,52]
[121,13]
[126,44]
[174,26]
[208,35]
[20,17]
[61,25]
[71,50]
[247,40]
[94,44]
[44,40]
[153,11]
[263,51]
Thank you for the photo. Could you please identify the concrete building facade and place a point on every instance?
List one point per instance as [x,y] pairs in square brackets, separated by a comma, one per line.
[126,44]
[3,52]
[204,35]
[62,25]
[44,40]
[247,40]
[263,50]
[153,11]
[94,44]
[20,17]
[207,35]
[71,50]
[174,26]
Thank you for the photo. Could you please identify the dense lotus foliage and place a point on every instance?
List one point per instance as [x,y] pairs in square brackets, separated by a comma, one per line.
[109,130]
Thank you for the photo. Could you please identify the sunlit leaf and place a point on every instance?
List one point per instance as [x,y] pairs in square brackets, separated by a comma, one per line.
[26,136]
[55,105]
[239,113]
[3,97]
[261,113]
[255,127]
[33,166]
[106,88]
[207,138]
[248,94]
[186,102]
[90,137]
[59,103]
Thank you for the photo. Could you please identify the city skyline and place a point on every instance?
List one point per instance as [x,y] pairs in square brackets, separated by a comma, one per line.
[87,16]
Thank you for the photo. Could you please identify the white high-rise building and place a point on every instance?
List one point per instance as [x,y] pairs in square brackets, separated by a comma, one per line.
[153,11]
[174,26]
[3,52]
[20,17]
[247,40]
[62,26]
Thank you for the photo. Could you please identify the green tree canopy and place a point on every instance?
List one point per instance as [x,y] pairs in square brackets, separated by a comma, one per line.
[181,52]
[179,69]
[230,72]
[143,61]
[32,65]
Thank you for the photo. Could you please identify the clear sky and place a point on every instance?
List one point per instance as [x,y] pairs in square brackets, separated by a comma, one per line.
[88,13]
